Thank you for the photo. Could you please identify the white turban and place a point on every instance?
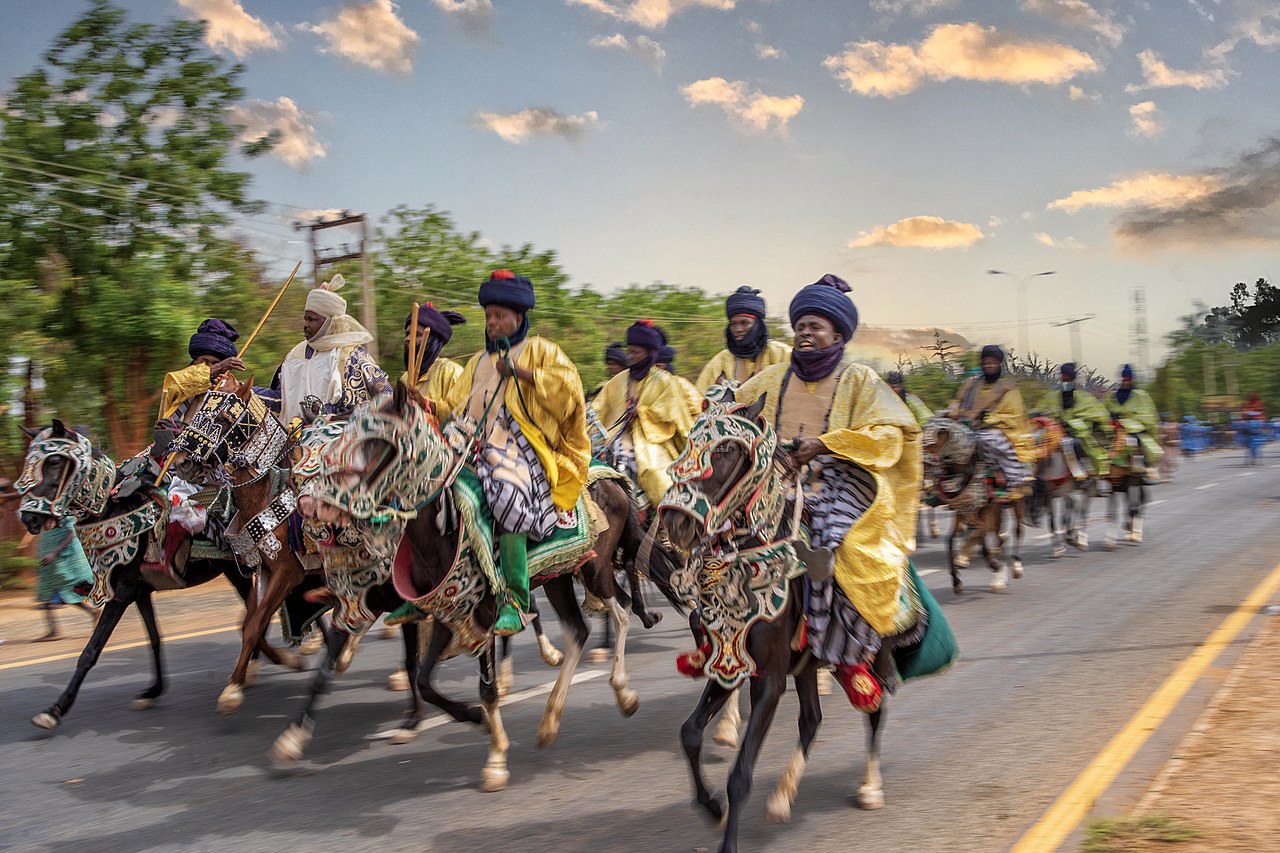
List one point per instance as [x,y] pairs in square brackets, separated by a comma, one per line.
[324,299]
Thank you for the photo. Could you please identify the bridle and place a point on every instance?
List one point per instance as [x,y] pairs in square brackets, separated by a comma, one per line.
[84,486]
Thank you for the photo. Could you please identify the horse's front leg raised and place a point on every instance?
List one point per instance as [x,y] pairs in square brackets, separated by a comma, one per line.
[437,642]
[628,701]
[283,577]
[52,716]
[561,595]
[292,742]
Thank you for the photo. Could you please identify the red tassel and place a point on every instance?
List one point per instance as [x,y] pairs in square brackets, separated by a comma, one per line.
[860,686]
[694,664]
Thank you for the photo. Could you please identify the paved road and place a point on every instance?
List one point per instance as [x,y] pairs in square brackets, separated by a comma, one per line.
[1052,668]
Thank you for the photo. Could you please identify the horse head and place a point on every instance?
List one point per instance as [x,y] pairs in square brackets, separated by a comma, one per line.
[230,433]
[62,474]
[389,462]
[948,446]
[716,481]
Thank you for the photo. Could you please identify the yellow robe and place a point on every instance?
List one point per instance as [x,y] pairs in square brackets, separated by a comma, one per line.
[440,379]
[869,426]
[552,416]
[691,394]
[182,385]
[664,415]
[1002,402]
[739,369]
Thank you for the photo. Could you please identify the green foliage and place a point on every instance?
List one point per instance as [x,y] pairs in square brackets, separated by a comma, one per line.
[13,565]
[1251,320]
[1115,835]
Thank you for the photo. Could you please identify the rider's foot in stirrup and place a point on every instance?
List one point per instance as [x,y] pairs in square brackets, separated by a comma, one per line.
[509,621]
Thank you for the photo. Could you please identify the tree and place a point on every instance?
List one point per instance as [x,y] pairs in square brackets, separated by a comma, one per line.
[1250,320]
[942,352]
[114,169]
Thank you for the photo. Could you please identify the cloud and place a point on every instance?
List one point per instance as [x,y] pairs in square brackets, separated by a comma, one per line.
[317,214]
[751,26]
[1045,239]
[1157,75]
[768,51]
[296,145]
[369,34]
[1146,120]
[756,110]
[1257,21]
[921,232]
[1075,93]
[650,14]
[474,16]
[1153,190]
[1079,14]
[231,28]
[955,51]
[994,222]
[1238,205]
[643,48]
[914,8]
[518,127]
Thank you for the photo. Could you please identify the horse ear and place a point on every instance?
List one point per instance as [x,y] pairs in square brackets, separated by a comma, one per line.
[31,432]
[753,411]
[245,390]
[400,396]
[60,429]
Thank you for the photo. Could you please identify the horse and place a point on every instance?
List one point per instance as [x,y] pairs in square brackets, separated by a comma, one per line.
[727,512]
[1128,477]
[392,462]
[1058,494]
[961,482]
[117,509]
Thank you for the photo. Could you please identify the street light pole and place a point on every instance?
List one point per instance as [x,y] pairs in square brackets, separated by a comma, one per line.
[1074,323]
[1023,346]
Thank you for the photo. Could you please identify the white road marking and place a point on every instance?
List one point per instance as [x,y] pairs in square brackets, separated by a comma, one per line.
[928,572]
[540,690]
[1156,503]
[1275,466]
[1246,473]
[1206,486]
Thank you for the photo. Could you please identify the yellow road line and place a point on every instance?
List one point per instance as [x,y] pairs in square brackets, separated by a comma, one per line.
[1073,805]
[134,645]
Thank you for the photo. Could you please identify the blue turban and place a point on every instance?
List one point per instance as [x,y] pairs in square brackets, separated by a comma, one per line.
[440,323]
[643,333]
[744,300]
[509,290]
[616,352]
[1068,369]
[666,355]
[1126,372]
[826,298]
[214,337]
[993,351]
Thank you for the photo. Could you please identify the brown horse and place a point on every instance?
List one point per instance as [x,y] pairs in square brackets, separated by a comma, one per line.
[395,452]
[122,583]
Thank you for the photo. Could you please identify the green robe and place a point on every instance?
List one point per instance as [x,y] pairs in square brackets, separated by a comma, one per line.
[1086,421]
[922,412]
[1138,417]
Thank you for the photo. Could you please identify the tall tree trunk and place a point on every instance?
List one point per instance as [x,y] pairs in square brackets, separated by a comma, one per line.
[30,405]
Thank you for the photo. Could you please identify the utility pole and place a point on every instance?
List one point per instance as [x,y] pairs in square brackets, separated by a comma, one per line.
[1023,346]
[368,312]
[1074,323]
[1140,343]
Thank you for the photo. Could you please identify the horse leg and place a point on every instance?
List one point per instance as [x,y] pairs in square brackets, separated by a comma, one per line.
[766,690]
[1018,569]
[494,776]
[953,564]
[1109,542]
[989,524]
[561,595]
[506,666]
[438,641]
[934,531]
[712,700]
[551,656]
[147,610]
[257,618]
[1137,495]
[1059,514]
[871,794]
[409,634]
[726,733]
[51,717]
[600,653]
[628,701]
[778,809]
[289,746]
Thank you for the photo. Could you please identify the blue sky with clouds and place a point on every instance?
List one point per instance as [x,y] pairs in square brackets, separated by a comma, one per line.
[906,145]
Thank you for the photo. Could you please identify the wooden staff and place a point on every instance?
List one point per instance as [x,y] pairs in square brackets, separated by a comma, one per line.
[422,351]
[413,347]
[164,469]
[274,303]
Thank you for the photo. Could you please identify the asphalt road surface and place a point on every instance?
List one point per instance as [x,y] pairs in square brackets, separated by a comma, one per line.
[1051,669]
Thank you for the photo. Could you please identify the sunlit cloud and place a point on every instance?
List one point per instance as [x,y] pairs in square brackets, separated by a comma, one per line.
[1046,239]
[1157,75]
[231,28]
[914,8]
[754,109]
[650,14]
[1079,14]
[768,51]
[920,232]
[642,47]
[1146,120]
[296,142]
[956,51]
[1154,190]
[475,17]
[369,34]
[1075,93]
[519,127]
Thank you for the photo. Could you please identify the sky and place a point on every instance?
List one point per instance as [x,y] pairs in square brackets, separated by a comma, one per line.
[908,146]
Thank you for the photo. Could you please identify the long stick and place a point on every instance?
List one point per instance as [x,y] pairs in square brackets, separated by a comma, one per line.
[422,351]
[274,303]
[164,469]
[413,347]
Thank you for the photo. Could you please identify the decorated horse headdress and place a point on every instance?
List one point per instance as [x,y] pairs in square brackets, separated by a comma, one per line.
[84,481]
[948,444]
[232,429]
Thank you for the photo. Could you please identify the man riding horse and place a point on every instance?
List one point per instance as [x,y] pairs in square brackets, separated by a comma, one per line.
[436,374]
[857,448]
[1085,419]
[748,349]
[1134,410]
[918,407]
[992,404]
[525,398]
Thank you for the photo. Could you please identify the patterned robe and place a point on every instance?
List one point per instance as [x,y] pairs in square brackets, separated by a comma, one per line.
[648,423]
[741,369]
[341,379]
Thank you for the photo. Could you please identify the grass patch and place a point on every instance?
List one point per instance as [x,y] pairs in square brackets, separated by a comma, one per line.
[1117,835]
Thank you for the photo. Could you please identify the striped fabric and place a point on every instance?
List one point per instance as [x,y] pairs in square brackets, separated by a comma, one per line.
[514,484]
[995,450]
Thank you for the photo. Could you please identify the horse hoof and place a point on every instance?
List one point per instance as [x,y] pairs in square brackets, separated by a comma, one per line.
[870,799]
[551,656]
[1058,551]
[628,702]
[494,779]
[598,655]
[1018,569]
[398,681]
[1108,544]
[777,810]
[251,673]
[957,587]
[961,562]
[287,749]
[547,735]
[934,531]
[403,736]
[230,700]
[289,660]
[312,644]
[45,721]
[998,585]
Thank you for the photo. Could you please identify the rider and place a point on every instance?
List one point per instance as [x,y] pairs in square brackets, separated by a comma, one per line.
[436,374]
[646,414]
[213,352]
[666,360]
[1134,410]
[330,371]
[859,450]
[917,406]
[748,349]
[992,404]
[1084,417]
[525,397]
[615,361]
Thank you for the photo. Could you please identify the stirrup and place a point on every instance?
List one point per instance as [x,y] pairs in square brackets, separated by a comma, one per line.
[509,622]
[403,614]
